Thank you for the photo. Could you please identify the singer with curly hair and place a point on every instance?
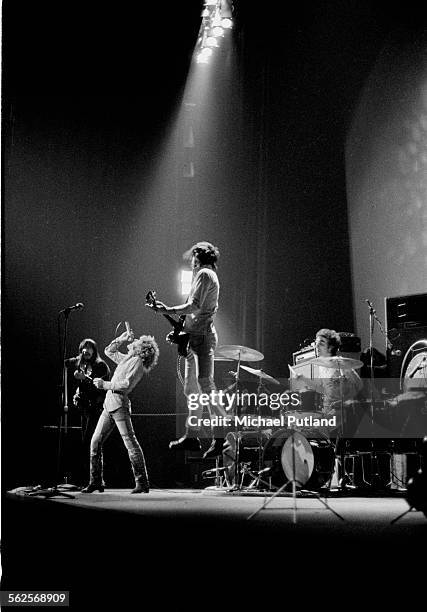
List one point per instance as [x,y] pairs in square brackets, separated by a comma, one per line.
[142,355]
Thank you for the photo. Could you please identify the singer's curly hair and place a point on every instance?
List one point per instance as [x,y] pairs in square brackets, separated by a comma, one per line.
[146,347]
[332,338]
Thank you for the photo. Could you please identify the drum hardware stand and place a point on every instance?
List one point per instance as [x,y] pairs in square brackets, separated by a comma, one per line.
[256,476]
[390,460]
[245,466]
[246,470]
[236,485]
[294,483]
[260,386]
[238,353]
[219,473]
[364,481]
[341,459]
[375,477]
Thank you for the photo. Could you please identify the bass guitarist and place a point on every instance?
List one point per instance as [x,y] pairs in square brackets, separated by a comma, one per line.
[199,311]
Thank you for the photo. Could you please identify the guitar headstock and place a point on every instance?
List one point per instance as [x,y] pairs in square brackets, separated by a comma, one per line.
[150,299]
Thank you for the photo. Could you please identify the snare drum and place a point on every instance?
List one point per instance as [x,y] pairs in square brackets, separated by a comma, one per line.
[292,456]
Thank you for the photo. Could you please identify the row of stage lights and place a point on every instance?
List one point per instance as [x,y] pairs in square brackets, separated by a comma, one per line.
[216,20]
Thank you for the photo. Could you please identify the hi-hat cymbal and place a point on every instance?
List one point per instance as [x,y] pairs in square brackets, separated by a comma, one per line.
[338,363]
[234,351]
[260,374]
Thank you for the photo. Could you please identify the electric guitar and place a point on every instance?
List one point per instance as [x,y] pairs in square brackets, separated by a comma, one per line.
[176,336]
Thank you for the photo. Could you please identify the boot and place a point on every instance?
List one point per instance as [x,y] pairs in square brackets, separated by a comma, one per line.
[215,448]
[92,486]
[140,488]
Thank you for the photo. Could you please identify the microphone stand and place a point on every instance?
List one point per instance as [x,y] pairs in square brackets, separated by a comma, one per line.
[372,318]
[63,424]
[371,357]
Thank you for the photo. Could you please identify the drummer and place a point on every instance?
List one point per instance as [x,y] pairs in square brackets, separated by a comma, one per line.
[335,385]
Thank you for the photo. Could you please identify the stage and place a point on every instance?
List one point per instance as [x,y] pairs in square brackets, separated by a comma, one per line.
[360,513]
[128,543]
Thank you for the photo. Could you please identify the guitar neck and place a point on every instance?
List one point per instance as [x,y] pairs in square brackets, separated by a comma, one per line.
[171,320]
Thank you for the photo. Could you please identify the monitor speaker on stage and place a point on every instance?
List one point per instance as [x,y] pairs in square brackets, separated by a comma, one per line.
[406,324]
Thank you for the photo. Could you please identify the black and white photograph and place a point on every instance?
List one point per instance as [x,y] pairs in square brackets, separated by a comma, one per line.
[214,303]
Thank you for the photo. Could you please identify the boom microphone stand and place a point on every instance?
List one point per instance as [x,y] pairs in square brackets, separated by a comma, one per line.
[372,318]
[63,426]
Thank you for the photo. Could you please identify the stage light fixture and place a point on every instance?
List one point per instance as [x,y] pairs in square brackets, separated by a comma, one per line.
[211,41]
[216,21]
[217,31]
[202,59]
[216,18]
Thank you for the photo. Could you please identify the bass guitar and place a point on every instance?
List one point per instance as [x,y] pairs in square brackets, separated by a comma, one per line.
[177,335]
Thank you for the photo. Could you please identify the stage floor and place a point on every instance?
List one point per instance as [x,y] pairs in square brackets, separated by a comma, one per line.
[112,546]
[212,504]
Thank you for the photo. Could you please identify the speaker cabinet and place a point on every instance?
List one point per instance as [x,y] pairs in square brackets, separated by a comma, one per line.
[406,323]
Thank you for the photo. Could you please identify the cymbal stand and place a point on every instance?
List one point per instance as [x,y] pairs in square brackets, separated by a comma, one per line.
[260,386]
[294,483]
[238,433]
[341,429]
[256,476]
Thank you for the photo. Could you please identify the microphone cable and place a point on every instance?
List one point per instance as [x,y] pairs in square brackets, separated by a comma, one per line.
[178,369]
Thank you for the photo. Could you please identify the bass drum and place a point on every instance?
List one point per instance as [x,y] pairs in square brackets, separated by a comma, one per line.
[291,455]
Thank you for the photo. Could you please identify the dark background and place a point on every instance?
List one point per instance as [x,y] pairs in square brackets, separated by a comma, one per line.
[96,209]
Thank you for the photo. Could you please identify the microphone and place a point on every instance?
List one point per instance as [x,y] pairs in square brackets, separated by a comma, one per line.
[129,331]
[77,306]
[370,305]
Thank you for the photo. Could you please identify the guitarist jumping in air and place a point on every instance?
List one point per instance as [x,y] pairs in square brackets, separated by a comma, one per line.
[200,309]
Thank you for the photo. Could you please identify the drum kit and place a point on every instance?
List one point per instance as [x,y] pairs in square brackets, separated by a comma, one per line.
[274,458]
[311,459]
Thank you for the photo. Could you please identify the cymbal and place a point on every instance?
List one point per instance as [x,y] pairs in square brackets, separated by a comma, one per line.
[409,395]
[260,374]
[234,351]
[338,363]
